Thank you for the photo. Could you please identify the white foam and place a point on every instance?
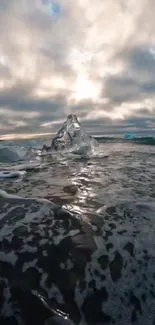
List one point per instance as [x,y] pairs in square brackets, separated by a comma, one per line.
[45,253]
[6,195]
[99,242]
[28,166]
[7,306]
[11,174]
[43,241]
[29,264]
[43,280]
[10,257]
[74,232]
[62,265]
[57,239]
[69,264]
[55,293]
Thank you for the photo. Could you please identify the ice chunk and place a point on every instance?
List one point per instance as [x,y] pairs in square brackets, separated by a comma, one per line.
[72,136]
[8,155]
[11,174]
[14,153]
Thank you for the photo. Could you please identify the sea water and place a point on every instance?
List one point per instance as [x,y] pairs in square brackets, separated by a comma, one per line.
[87,242]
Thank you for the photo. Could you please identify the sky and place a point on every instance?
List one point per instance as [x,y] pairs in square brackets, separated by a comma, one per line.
[95,59]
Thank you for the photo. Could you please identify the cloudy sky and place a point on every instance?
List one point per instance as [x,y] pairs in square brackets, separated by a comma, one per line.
[95,59]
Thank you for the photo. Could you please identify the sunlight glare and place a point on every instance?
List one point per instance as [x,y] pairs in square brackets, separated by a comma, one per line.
[85,89]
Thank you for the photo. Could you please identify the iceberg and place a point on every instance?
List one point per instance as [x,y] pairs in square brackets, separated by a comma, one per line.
[72,137]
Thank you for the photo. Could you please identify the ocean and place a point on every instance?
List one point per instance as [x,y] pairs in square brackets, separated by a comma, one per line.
[77,234]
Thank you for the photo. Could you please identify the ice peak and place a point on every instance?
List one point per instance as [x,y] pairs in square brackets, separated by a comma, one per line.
[72,136]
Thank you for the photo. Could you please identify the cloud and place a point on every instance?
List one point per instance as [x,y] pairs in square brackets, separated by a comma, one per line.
[96,61]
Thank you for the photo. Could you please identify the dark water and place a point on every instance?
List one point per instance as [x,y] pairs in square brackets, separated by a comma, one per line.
[116,172]
[113,193]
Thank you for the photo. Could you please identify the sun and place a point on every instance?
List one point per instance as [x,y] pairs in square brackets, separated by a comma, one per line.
[85,89]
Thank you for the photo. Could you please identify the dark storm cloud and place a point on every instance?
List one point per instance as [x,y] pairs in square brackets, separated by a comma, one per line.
[138,75]
[121,88]
[142,60]
[21,111]
[137,124]
[134,88]
[19,98]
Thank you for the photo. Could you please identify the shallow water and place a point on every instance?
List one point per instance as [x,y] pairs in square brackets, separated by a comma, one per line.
[116,172]
[109,265]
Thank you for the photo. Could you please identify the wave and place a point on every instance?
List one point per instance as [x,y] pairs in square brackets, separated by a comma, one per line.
[138,140]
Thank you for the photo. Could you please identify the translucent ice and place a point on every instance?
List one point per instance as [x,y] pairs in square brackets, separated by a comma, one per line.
[73,138]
